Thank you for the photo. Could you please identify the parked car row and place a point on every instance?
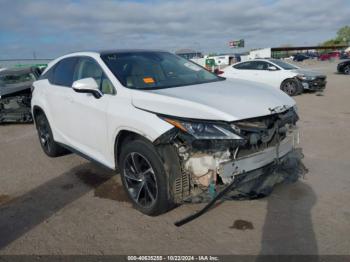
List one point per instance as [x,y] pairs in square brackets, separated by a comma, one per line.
[299,57]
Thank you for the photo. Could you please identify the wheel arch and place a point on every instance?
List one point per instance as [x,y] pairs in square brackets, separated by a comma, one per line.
[123,136]
[36,111]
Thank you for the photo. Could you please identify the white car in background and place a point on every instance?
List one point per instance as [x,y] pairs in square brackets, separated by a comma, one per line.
[176,132]
[289,78]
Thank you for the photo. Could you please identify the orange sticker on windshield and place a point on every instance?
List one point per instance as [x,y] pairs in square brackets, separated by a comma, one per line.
[148,80]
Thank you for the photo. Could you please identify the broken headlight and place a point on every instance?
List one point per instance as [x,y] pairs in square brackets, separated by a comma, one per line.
[306,78]
[204,130]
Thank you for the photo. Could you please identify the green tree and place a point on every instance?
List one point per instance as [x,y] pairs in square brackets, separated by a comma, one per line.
[343,34]
[342,38]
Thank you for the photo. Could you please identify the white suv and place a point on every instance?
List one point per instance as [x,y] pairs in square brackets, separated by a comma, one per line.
[176,132]
[289,78]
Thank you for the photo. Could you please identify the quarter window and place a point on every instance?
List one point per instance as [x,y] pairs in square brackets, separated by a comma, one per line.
[63,72]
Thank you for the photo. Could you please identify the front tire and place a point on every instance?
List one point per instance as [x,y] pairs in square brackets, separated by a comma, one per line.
[347,70]
[291,87]
[144,177]
[48,144]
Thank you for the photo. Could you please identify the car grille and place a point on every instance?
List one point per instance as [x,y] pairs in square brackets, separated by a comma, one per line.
[264,132]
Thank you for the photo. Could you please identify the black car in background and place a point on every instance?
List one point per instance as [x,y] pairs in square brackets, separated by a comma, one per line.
[344,67]
[16,93]
[300,57]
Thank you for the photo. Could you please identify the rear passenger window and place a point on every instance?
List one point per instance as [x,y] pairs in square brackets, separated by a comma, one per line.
[244,65]
[260,65]
[64,71]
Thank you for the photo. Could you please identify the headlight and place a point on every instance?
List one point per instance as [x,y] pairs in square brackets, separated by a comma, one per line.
[306,78]
[202,130]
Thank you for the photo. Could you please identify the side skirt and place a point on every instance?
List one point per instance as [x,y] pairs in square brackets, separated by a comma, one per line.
[75,151]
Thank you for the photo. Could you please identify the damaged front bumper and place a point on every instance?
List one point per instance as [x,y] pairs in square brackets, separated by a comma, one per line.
[318,84]
[260,159]
[262,171]
[265,156]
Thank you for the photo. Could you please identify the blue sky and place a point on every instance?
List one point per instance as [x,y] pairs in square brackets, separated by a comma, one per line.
[52,28]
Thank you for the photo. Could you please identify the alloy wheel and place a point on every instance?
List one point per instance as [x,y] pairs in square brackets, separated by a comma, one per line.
[347,70]
[290,88]
[44,134]
[140,179]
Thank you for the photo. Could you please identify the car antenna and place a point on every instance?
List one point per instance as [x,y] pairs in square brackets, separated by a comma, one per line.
[220,195]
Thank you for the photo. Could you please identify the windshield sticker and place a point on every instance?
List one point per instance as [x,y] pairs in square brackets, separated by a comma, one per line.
[192,66]
[148,80]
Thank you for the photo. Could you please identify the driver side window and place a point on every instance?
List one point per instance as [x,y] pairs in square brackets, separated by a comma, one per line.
[87,67]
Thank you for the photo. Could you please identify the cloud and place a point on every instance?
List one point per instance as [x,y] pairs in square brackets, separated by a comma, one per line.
[51,28]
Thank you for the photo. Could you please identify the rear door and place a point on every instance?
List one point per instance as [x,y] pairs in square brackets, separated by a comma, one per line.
[244,70]
[59,98]
[262,74]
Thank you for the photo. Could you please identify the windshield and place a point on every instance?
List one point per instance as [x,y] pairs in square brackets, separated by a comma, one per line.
[284,65]
[156,70]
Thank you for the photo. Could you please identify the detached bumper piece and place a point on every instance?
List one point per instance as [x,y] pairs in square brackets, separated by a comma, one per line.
[260,182]
[318,84]
[15,109]
[257,183]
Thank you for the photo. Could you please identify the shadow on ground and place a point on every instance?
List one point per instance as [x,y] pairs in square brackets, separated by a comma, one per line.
[19,215]
[288,227]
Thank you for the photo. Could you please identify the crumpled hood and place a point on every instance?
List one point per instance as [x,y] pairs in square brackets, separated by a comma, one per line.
[14,88]
[308,72]
[227,100]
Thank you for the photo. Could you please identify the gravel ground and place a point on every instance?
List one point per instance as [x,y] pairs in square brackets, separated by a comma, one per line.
[67,205]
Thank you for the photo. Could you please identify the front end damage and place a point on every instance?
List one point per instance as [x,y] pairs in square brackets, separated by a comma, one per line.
[267,155]
[15,108]
[16,93]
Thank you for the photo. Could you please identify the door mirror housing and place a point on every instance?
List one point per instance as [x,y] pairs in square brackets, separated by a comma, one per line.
[272,68]
[87,85]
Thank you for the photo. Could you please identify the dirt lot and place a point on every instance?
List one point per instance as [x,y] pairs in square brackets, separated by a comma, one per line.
[70,206]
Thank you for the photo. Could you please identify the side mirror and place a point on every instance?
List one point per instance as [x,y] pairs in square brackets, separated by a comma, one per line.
[87,85]
[272,68]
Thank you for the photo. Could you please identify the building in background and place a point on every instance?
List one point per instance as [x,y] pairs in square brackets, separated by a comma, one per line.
[189,53]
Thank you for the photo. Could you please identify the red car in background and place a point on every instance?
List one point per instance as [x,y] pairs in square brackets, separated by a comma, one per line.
[330,55]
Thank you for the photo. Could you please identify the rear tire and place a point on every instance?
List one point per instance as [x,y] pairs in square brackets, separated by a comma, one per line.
[144,177]
[292,87]
[47,142]
[347,70]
